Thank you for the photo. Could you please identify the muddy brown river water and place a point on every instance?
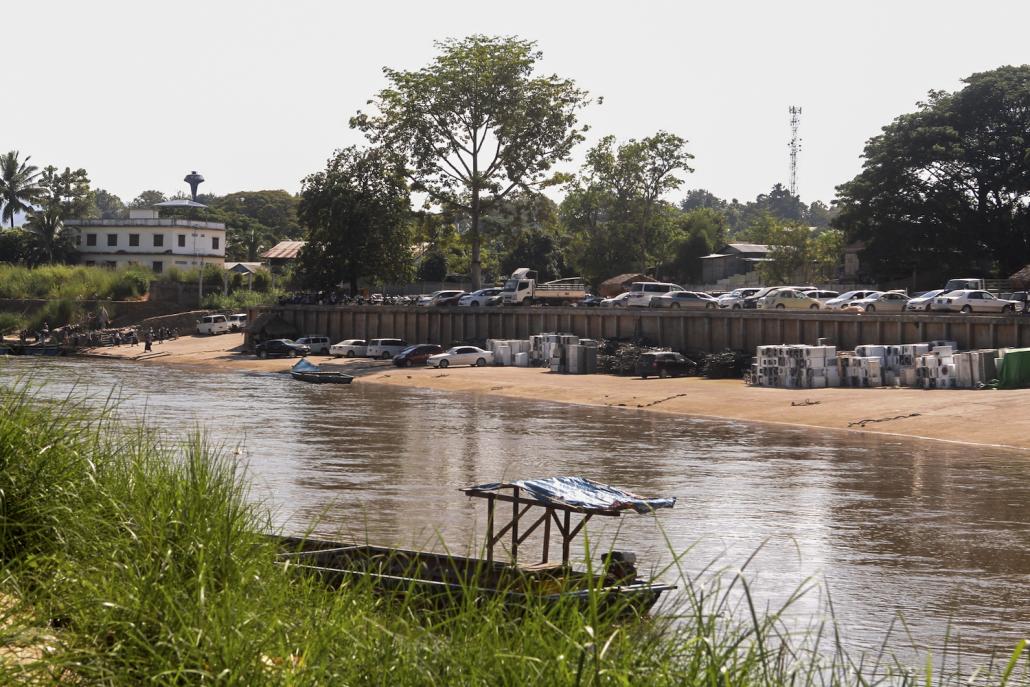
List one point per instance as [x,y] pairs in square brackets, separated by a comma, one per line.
[937,534]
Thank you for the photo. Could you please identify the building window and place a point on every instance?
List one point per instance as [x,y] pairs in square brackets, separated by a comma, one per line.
[112,239]
[182,240]
[91,239]
[159,240]
[214,243]
[133,239]
[158,267]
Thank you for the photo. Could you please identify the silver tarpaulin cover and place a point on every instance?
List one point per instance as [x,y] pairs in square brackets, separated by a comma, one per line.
[580,492]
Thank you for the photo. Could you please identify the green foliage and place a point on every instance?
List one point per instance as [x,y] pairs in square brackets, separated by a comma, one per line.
[947,187]
[19,185]
[148,199]
[240,299]
[148,552]
[61,195]
[73,282]
[476,124]
[10,322]
[108,206]
[615,212]
[358,215]
[55,313]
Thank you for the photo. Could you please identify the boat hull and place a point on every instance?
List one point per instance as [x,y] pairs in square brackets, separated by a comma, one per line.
[446,578]
[322,377]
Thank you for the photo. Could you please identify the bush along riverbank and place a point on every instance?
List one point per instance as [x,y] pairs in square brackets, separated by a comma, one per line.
[126,559]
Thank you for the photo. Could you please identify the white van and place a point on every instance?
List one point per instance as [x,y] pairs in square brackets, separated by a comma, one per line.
[213,324]
[237,322]
[319,345]
[641,292]
[385,348]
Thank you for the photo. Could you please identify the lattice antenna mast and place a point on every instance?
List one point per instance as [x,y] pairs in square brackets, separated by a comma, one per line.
[795,147]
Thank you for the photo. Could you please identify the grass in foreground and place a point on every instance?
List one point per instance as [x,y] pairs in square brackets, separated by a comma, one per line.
[127,561]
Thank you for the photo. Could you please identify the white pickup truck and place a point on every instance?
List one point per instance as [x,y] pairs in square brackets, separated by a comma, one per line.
[522,289]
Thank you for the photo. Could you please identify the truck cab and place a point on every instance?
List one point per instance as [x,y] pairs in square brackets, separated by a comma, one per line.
[965,284]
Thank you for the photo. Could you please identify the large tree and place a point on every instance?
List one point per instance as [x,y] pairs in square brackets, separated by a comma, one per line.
[358,215]
[615,209]
[19,185]
[947,187]
[476,124]
[108,205]
[61,195]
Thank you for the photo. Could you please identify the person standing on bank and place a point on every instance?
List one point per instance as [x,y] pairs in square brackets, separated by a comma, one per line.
[148,341]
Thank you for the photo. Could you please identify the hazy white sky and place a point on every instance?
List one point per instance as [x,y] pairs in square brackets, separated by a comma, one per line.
[255,94]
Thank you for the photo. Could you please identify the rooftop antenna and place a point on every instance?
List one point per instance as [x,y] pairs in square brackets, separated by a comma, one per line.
[194,180]
[795,147]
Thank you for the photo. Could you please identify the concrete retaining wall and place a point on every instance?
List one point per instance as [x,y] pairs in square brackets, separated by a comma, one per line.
[709,330]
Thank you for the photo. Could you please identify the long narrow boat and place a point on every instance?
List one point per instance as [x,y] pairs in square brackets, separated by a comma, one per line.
[307,372]
[614,585]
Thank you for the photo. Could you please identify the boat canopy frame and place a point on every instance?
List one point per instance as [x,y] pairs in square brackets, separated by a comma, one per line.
[527,495]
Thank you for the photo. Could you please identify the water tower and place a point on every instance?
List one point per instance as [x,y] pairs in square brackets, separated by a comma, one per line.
[194,180]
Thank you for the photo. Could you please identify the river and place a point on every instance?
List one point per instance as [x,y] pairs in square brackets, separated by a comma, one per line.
[937,534]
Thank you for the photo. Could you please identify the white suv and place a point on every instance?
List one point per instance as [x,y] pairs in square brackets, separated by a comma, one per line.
[641,292]
[385,348]
[317,344]
[213,324]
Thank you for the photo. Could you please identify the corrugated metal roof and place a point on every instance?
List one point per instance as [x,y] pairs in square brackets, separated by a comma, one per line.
[749,247]
[284,250]
[629,276]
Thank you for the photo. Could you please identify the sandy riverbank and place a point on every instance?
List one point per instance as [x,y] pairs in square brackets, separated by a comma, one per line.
[994,418]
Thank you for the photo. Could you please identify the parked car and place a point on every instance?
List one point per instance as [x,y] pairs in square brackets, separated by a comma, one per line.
[478,298]
[416,355]
[589,301]
[349,348]
[788,299]
[664,364]
[821,296]
[452,300]
[615,301]
[213,324]
[279,348]
[843,300]
[385,348]
[317,344]
[237,322]
[734,298]
[691,300]
[967,301]
[889,301]
[434,298]
[924,301]
[641,292]
[461,355]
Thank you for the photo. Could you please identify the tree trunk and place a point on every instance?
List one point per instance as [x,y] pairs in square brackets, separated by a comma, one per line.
[475,267]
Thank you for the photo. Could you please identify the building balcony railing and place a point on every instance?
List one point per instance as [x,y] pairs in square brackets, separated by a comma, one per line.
[169,222]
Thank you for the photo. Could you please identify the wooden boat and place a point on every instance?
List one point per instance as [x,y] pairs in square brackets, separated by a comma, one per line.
[41,349]
[307,372]
[614,585]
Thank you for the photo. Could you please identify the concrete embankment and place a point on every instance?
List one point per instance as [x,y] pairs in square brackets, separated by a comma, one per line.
[707,330]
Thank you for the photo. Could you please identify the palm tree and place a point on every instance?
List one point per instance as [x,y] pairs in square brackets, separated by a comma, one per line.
[18,185]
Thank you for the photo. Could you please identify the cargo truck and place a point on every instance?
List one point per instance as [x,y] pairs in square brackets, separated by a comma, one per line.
[522,289]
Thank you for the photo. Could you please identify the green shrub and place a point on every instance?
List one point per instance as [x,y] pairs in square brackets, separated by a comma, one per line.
[76,282]
[10,322]
[55,313]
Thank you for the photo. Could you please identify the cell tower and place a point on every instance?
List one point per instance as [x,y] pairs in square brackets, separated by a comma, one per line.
[795,147]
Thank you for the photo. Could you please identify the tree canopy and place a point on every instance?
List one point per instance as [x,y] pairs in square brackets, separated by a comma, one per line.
[358,216]
[61,195]
[948,186]
[19,185]
[476,124]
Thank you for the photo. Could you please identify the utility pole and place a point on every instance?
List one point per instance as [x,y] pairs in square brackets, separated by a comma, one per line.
[795,147]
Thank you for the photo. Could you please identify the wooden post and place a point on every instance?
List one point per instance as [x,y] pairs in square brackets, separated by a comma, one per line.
[547,535]
[515,526]
[490,528]
[565,540]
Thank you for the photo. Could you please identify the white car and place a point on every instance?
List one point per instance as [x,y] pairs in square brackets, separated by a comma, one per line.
[924,301]
[435,297]
[349,348]
[641,292]
[734,298]
[615,301]
[689,300]
[385,348]
[478,298]
[844,300]
[967,301]
[237,322]
[821,296]
[461,355]
[317,344]
[890,301]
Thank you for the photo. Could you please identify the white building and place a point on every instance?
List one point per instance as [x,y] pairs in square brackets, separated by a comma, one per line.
[149,240]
